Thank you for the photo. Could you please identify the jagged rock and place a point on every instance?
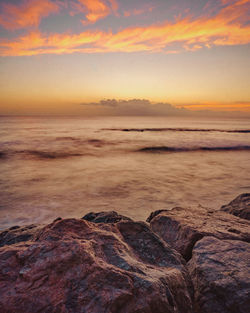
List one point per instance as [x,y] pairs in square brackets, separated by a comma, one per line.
[76,266]
[105,217]
[220,273]
[182,228]
[240,206]
[17,234]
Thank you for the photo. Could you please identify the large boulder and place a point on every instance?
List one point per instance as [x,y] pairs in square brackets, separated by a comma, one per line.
[220,273]
[240,206]
[182,228]
[78,266]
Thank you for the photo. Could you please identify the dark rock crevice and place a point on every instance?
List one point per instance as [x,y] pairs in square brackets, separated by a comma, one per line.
[216,246]
[181,228]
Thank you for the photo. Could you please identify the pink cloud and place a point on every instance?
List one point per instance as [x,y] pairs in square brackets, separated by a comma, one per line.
[28,13]
[184,34]
[94,10]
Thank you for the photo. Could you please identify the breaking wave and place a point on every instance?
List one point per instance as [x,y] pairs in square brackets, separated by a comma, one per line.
[159,149]
[69,147]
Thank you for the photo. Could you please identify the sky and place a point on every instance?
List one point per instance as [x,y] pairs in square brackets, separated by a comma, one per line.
[124,57]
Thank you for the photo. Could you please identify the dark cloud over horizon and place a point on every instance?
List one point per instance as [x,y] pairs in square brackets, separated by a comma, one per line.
[144,107]
[134,107]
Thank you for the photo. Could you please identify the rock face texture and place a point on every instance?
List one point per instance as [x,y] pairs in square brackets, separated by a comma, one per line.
[107,263]
[220,271]
[17,234]
[216,244]
[76,266]
[105,217]
[182,228]
[240,206]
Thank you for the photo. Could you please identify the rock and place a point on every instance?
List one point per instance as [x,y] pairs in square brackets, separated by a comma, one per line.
[76,266]
[153,214]
[240,206]
[182,228]
[220,273]
[17,234]
[105,217]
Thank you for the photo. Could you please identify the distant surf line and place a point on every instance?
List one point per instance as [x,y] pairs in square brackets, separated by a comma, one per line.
[178,130]
[160,149]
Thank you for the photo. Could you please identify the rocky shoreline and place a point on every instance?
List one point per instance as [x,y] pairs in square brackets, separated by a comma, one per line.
[179,261]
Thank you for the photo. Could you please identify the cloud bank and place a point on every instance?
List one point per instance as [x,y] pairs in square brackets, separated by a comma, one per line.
[143,107]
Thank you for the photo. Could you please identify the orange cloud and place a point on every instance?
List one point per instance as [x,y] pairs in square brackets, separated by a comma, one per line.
[35,43]
[95,9]
[189,34]
[29,13]
[218,106]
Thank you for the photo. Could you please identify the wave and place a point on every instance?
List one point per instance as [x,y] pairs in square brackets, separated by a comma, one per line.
[49,155]
[178,130]
[91,141]
[2,155]
[76,143]
[159,149]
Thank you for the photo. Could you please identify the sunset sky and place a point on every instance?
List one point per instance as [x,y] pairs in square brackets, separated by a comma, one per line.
[72,56]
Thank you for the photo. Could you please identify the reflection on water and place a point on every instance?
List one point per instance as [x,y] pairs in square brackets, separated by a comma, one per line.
[67,167]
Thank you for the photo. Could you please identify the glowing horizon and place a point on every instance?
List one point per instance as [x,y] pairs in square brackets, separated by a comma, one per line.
[57,54]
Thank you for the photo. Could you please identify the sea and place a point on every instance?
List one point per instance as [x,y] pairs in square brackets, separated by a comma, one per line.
[68,166]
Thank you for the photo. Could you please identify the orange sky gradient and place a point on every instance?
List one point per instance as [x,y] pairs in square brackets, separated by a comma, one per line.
[57,54]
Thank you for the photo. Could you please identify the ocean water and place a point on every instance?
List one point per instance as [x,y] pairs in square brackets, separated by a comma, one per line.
[69,166]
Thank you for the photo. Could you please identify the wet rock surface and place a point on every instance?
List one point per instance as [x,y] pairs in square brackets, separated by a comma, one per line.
[240,206]
[220,273]
[182,228]
[78,266]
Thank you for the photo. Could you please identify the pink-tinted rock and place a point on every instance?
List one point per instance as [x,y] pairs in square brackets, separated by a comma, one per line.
[240,206]
[220,273]
[182,228]
[17,234]
[75,266]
